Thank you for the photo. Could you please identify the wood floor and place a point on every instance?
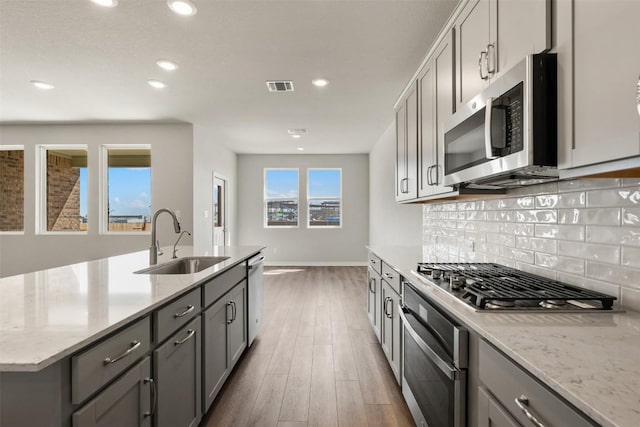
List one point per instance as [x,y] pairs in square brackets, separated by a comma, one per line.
[316,361]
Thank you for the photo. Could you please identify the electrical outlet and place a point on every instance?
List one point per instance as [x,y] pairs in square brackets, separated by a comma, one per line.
[205,214]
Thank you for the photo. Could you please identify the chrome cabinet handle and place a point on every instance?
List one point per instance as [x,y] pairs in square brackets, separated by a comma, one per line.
[191,333]
[402,186]
[189,309]
[133,347]
[372,289]
[154,397]
[523,402]
[483,54]
[387,300]
[493,69]
[429,176]
[229,321]
[434,181]
[233,310]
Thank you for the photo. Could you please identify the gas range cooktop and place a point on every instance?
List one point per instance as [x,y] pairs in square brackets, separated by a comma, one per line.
[492,287]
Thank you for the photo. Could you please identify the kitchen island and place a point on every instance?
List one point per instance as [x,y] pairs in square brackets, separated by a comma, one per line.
[589,360]
[51,320]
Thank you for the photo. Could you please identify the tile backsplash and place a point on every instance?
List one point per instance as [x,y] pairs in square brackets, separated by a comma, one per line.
[582,232]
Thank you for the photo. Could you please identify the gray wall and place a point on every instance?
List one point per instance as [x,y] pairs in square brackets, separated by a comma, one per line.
[302,246]
[171,186]
[390,223]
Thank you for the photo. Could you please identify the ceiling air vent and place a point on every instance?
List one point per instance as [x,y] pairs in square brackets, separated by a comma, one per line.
[280,86]
[298,132]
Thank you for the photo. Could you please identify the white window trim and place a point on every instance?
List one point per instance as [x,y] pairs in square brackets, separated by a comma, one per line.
[16,148]
[310,199]
[264,198]
[41,187]
[103,215]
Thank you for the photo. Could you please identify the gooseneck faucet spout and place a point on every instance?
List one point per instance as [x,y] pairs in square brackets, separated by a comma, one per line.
[153,250]
[175,245]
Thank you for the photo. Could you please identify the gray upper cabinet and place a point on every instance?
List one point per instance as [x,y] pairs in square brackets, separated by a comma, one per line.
[128,402]
[494,35]
[407,147]
[598,48]
[177,367]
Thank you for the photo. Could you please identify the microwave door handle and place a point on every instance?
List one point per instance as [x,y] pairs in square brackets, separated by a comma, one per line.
[488,142]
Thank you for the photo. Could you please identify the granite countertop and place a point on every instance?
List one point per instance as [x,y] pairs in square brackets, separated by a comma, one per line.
[49,314]
[592,360]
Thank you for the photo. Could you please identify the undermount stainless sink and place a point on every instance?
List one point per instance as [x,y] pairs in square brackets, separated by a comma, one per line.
[186,265]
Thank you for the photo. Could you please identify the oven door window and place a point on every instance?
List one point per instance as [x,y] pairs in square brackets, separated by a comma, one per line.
[434,391]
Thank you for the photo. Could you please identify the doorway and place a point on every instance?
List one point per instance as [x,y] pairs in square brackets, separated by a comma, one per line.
[219,210]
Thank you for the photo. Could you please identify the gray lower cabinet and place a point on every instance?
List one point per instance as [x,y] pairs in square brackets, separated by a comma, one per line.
[128,402]
[225,338]
[391,330]
[374,283]
[491,413]
[177,367]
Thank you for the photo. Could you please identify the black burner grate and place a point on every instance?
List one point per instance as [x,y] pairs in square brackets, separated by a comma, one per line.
[487,282]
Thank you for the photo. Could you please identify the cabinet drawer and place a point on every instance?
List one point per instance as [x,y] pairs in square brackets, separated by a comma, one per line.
[391,277]
[96,366]
[172,316]
[375,263]
[507,382]
[223,283]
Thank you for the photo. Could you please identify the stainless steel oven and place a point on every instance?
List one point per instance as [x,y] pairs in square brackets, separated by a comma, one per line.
[435,352]
[507,135]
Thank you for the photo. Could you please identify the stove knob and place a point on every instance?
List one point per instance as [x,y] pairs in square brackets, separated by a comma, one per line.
[436,274]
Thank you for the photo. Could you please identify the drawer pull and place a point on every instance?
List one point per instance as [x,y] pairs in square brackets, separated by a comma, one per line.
[191,333]
[189,309]
[523,402]
[154,397]
[133,347]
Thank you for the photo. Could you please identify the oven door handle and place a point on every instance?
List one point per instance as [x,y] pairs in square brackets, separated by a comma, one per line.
[451,371]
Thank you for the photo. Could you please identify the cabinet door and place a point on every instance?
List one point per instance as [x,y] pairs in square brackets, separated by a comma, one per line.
[216,364]
[237,323]
[606,71]
[401,150]
[427,129]
[386,325]
[518,28]
[396,333]
[407,147]
[472,32]
[373,300]
[125,403]
[178,375]
[491,413]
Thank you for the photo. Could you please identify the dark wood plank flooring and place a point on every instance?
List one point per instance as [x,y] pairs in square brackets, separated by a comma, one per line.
[316,361]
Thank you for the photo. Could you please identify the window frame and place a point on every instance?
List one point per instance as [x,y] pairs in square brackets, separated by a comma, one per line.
[103,215]
[24,171]
[310,199]
[265,198]
[41,188]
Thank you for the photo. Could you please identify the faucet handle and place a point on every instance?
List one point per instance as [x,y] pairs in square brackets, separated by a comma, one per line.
[158,246]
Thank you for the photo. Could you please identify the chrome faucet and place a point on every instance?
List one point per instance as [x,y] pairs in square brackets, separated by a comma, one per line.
[176,243]
[153,250]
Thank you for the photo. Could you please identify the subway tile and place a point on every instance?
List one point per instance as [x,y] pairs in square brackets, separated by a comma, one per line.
[476,215]
[488,248]
[587,184]
[624,276]
[560,263]
[563,232]
[590,251]
[537,244]
[628,182]
[490,227]
[501,239]
[628,196]
[517,229]
[476,236]
[517,203]
[492,205]
[550,187]
[626,236]
[448,207]
[515,254]
[631,257]
[601,216]
[631,217]
[594,285]
[630,298]
[546,216]
[547,201]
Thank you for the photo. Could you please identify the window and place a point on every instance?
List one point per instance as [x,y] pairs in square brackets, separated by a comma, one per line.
[127,189]
[324,193]
[11,188]
[63,188]
[281,197]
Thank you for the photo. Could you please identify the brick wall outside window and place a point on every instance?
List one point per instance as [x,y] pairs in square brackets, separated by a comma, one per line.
[12,190]
[63,194]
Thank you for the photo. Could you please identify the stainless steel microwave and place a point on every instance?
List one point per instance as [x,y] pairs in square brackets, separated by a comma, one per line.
[507,135]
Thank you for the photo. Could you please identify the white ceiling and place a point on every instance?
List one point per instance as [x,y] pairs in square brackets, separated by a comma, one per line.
[99,59]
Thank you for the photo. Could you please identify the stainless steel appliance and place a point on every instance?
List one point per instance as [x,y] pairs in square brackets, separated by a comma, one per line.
[256,295]
[493,287]
[507,135]
[435,349]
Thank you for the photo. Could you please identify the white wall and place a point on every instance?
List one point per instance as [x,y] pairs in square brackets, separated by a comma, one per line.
[390,223]
[209,156]
[171,186]
[302,246]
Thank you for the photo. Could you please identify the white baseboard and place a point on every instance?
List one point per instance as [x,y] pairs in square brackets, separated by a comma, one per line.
[316,264]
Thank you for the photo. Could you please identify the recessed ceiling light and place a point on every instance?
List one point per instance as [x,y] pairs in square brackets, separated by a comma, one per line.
[320,82]
[300,149]
[296,136]
[182,7]
[157,84]
[106,3]
[167,65]
[42,85]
